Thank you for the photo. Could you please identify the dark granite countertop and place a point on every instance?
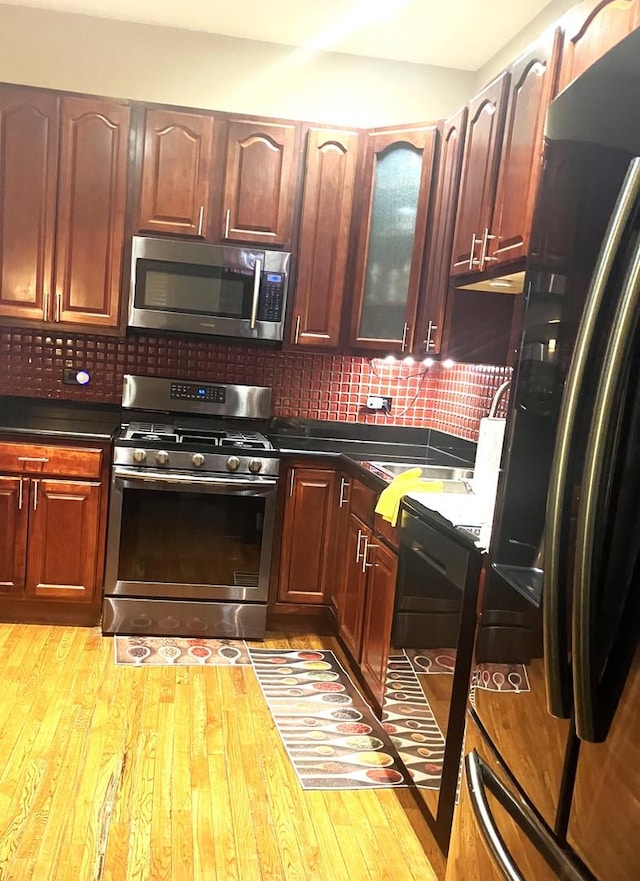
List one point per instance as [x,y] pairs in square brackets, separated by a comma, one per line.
[370,442]
[43,418]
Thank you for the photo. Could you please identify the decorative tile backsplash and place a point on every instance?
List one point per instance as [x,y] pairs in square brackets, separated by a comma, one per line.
[309,386]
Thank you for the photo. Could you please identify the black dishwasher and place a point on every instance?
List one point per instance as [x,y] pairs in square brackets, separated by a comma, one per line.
[438,567]
[433,630]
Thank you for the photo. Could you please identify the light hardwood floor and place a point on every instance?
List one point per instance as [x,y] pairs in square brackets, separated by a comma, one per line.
[154,773]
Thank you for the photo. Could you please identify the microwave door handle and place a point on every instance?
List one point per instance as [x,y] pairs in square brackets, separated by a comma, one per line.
[555,648]
[256,293]
[595,499]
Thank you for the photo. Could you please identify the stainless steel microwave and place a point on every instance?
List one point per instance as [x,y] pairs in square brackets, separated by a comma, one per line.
[190,287]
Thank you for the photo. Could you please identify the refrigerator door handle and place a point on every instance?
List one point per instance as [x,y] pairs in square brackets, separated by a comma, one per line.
[481,778]
[602,443]
[555,647]
[484,818]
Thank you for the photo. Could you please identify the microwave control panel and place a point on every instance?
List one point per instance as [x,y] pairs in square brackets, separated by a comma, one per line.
[271,296]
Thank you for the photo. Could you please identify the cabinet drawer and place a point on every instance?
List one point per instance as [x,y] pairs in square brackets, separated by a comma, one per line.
[45,459]
[388,533]
[362,502]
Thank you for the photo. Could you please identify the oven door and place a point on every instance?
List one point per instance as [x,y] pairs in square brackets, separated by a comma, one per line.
[182,536]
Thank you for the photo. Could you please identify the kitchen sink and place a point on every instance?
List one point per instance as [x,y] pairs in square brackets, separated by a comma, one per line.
[453,479]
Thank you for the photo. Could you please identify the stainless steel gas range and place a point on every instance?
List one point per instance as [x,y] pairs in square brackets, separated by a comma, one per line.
[193,494]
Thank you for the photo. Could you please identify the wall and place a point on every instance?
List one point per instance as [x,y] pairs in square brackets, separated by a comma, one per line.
[307,386]
[515,47]
[166,65]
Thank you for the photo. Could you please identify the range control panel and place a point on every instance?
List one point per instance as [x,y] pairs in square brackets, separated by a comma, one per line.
[192,391]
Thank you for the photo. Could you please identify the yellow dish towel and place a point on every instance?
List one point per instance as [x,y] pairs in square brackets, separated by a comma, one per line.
[409,481]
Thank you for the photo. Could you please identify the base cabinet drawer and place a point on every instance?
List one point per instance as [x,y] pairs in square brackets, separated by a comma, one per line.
[55,461]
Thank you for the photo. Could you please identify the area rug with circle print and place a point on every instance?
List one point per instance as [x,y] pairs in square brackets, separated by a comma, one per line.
[332,737]
[409,721]
[179,651]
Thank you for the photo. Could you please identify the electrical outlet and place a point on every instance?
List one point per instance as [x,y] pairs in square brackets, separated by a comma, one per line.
[379,402]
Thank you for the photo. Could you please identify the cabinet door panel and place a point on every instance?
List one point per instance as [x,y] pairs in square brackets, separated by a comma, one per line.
[591,29]
[395,196]
[63,540]
[306,536]
[176,171]
[479,173]
[28,171]
[91,208]
[532,85]
[14,499]
[353,587]
[330,172]
[378,618]
[260,182]
[438,262]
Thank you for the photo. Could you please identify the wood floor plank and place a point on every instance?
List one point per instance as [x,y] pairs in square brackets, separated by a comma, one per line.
[120,773]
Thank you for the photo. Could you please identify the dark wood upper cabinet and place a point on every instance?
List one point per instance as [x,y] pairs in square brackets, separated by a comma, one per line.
[94,150]
[479,177]
[306,535]
[590,30]
[533,78]
[260,182]
[28,175]
[438,257]
[394,192]
[329,182]
[176,172]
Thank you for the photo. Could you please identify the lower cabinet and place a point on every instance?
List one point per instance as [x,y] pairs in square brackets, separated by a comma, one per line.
[378,617]
[365,610]
[305,564]
[53,535]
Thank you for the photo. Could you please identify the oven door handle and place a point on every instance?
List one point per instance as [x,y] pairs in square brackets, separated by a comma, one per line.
[229,483]
[257,274]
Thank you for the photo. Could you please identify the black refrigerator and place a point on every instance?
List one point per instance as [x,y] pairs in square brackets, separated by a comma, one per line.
[551,788]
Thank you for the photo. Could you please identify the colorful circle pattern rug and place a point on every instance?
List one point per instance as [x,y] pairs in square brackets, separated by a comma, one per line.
[331,735]
[179,651]
[409,721]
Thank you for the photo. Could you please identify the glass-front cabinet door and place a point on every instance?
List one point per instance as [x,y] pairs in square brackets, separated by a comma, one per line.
[397,186]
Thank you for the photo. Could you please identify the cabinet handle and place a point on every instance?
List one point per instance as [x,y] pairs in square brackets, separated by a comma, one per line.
[485,245]
[429,343]
[36,483]
[58,306]
[343,486]
[296,335]
[474,242]
[227,222]
[405,331]
[201,220]
[20,496]
[367,545]
[361,535]
[292,478]
[45,306]
[32,459]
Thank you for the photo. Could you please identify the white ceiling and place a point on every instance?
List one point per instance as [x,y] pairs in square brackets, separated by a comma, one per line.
[450,33]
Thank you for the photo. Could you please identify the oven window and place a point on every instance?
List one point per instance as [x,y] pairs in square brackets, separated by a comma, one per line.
[197,290]
[191,538]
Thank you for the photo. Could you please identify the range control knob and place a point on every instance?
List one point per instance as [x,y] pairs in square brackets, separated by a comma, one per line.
[139,456]
[255,465]
[233,463]
[162,457]
[198,460]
